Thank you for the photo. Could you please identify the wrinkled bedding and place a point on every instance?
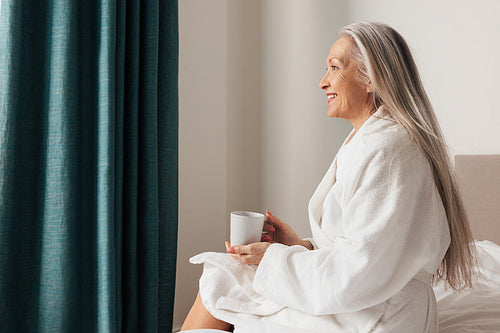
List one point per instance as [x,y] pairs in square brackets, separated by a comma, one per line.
[477,310]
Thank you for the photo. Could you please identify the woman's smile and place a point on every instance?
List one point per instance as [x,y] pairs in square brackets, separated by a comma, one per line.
[331,97]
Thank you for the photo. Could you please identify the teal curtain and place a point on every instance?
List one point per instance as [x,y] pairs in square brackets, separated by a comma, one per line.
[88,165]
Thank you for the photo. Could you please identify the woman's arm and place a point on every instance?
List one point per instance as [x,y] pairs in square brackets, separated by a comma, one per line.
[280,232]
[394,226]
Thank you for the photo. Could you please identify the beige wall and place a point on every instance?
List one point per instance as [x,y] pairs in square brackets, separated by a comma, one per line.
[299,141]
[243,106]
[219,129]
[202,140]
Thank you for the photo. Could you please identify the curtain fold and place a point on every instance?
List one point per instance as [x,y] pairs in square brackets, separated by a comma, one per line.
[88,165]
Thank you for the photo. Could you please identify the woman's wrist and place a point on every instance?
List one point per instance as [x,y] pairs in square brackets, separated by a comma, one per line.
[307,244]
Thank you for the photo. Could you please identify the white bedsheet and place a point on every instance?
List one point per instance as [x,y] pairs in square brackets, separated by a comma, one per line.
[478,310]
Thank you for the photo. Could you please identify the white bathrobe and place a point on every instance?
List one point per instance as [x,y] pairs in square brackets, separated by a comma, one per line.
[379,232]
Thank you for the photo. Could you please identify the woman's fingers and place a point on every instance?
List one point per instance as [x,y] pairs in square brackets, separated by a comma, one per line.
[274,220]
[238,249]
[266,238]
[247,249]
[268,227]
[249,260]
[250,254]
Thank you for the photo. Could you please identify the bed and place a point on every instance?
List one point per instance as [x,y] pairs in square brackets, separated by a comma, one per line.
[477,310]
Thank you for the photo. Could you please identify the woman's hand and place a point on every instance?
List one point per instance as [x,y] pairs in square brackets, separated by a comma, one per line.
[250,254]
[277,231]
[280,232]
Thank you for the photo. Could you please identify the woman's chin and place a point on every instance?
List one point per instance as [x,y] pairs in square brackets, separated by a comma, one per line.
[333,113]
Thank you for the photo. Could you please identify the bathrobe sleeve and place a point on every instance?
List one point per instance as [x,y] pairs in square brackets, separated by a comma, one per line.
[392,220]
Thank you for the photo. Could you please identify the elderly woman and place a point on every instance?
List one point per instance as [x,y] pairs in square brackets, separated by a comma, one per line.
[386,220]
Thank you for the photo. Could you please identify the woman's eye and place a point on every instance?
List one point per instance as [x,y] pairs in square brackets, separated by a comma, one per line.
[335,67]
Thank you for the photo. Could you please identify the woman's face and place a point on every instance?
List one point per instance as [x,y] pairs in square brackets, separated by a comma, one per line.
[348,97]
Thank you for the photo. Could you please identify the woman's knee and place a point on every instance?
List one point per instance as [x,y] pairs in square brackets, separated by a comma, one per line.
[199,317]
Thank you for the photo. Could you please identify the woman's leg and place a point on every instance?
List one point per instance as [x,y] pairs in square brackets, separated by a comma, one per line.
[199,317]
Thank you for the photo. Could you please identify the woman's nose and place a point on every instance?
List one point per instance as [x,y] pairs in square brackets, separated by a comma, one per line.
[323,83]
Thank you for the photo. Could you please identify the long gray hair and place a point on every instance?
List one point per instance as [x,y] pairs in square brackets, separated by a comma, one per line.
[385,62]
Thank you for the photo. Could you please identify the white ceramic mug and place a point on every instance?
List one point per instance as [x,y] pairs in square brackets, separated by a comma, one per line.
[246,227]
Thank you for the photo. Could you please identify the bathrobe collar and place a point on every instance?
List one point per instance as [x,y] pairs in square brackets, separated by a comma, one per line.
[318,198]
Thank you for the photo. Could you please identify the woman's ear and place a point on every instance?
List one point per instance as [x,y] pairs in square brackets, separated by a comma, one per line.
[369,88]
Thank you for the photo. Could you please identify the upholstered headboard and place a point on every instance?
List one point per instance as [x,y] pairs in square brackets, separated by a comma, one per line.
[479,182]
